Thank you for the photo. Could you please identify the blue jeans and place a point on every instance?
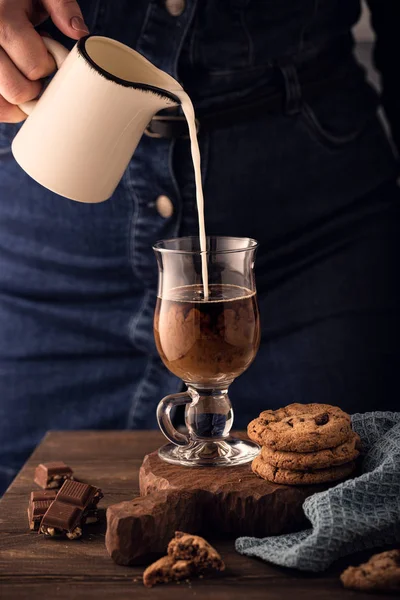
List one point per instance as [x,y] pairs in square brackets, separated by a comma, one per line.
[314,183]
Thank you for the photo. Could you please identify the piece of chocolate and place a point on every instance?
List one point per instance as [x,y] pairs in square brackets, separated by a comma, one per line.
[70,510]
[38,505]
[79,494]
[60,519]
[52,475]
[43,495]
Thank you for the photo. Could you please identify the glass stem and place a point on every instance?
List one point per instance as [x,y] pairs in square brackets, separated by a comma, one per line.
[210,415]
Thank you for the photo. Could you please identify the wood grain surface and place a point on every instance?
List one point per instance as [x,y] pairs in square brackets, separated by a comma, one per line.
[32,567]
[236,500]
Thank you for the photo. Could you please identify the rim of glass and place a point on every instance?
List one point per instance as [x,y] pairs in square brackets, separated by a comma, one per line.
[253,244]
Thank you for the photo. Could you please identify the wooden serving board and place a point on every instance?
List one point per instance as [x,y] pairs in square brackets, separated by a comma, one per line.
[222,501]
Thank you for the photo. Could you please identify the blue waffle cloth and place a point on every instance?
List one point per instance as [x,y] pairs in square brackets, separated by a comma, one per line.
[355,515]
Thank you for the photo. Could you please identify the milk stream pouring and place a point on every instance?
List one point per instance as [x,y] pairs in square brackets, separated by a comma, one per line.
[188,111]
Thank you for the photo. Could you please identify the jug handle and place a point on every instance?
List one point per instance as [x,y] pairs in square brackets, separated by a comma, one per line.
[59,53]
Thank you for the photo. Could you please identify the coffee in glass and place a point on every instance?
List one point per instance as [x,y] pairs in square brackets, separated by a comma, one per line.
[207,342]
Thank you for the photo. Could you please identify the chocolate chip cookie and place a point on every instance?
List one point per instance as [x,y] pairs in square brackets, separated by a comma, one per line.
[193,548]
[301,428]
[166,569]
[321,459]
[381,572]
[187,555]
[286,477]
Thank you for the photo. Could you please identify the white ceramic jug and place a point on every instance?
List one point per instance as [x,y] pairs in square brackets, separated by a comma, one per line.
[81,134]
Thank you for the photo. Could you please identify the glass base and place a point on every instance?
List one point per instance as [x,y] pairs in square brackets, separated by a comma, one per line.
[225,453]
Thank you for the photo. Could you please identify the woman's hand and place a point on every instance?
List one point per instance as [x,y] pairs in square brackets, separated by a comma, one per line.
[24,59]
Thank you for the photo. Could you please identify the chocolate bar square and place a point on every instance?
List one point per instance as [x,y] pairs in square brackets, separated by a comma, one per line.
[43,495]
[52,475]
[62,519]
[38,505]
[62,516]
[77,493]
[74,505]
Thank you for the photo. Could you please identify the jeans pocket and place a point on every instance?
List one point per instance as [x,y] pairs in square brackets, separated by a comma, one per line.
[339,116]
[330,138]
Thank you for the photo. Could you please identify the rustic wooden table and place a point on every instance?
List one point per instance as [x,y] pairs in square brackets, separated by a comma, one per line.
[33,567]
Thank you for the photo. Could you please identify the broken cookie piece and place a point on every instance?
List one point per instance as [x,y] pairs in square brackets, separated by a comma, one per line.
[166,569]
[193,548]
[188,555]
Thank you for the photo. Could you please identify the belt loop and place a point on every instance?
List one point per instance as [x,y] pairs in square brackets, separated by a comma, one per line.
[293,94]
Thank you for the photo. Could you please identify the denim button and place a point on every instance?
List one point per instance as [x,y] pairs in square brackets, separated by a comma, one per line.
[175,7]
[164,206]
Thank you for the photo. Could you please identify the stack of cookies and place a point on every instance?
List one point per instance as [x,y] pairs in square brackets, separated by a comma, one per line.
[304,444]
